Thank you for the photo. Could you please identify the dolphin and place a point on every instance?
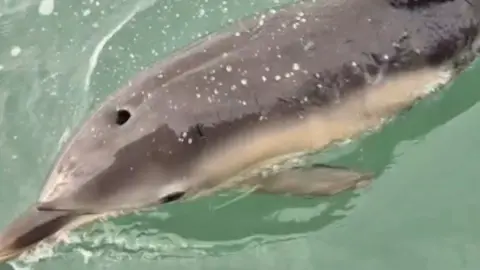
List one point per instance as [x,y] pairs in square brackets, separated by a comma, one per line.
[243,107]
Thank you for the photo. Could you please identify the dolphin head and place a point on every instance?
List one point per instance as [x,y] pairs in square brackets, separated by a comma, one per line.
[133,152]
[126,156]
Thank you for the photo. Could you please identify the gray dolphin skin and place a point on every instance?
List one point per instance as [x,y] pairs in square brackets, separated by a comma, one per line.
[241,108]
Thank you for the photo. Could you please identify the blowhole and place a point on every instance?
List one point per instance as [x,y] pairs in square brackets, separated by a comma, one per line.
[123,116]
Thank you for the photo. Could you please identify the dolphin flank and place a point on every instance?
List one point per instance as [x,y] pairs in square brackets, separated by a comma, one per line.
[241,109]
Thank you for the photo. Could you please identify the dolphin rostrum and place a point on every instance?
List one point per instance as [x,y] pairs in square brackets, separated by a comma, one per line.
[241,108]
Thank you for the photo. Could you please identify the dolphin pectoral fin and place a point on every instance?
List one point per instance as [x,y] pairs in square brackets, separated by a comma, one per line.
[320,180]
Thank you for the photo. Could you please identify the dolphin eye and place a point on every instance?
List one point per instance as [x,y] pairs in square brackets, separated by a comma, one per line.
[122,117]
[173,197]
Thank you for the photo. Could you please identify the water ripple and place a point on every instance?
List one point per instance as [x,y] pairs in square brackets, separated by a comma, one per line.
[101,44]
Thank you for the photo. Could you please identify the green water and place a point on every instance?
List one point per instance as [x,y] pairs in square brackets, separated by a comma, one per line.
[58,59]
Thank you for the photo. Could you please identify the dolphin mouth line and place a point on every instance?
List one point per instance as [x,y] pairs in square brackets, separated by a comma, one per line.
[6,255]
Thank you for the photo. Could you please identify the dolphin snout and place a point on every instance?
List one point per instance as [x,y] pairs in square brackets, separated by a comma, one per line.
[29,229]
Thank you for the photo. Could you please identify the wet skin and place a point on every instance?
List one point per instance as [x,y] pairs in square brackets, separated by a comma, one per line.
[268,89]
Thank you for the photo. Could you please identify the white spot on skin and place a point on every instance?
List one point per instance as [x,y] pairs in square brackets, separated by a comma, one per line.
[228,68]
[244,81]
[198,95]
[190,140]
[15,51]
[296,66]
[46,7]
[264,78]
[278,77]
[308,46]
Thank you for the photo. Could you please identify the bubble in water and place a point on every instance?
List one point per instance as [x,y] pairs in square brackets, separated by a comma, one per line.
[46,7]
[15,51]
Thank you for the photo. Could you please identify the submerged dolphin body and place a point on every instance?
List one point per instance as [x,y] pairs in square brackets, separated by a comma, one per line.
[215,114]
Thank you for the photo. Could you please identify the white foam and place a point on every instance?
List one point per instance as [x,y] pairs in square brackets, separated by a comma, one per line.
[15,51]
[46,7]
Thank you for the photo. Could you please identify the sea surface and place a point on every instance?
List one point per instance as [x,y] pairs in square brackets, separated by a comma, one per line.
[59,59]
